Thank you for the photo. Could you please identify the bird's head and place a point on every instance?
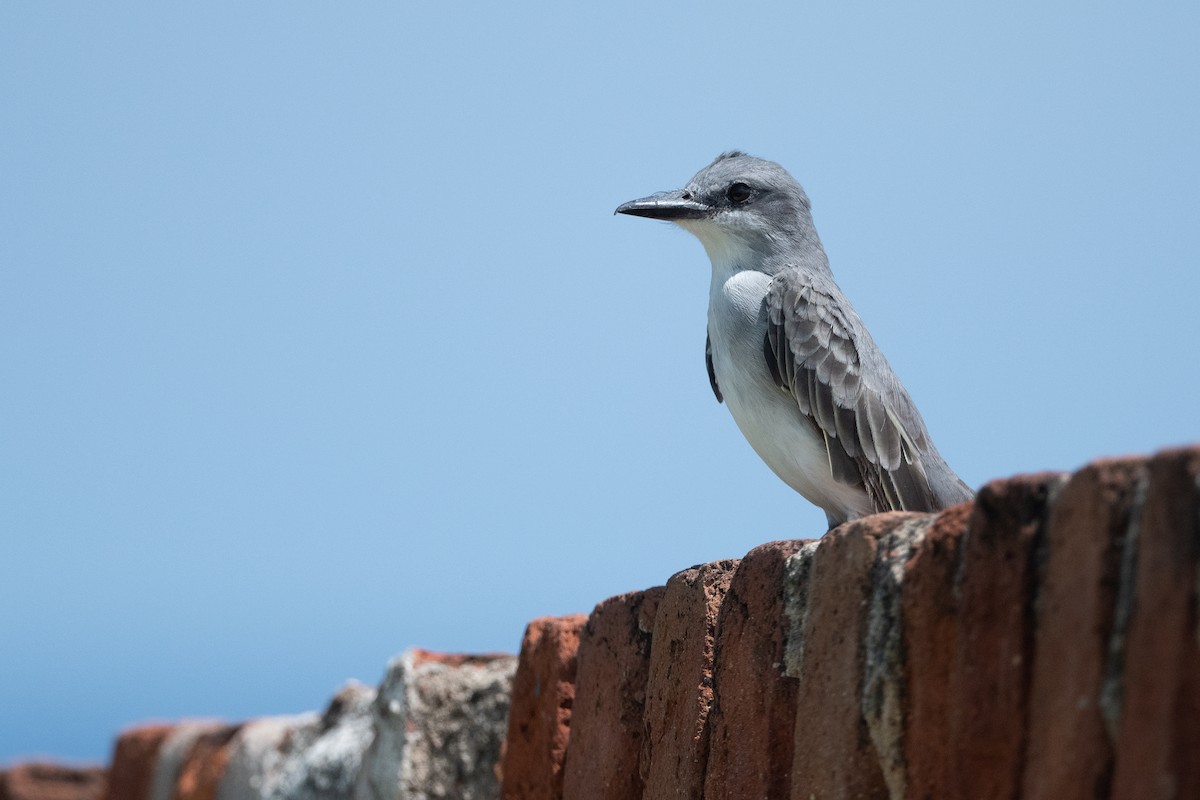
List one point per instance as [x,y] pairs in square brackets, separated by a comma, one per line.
[737,204]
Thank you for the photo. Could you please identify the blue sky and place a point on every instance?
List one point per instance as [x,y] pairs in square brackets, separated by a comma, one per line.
[319,339]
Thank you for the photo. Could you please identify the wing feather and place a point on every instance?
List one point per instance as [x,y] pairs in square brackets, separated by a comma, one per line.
[814,349]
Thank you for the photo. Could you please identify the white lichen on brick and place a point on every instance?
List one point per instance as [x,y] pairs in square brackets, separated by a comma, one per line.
[797,571]
[437,729]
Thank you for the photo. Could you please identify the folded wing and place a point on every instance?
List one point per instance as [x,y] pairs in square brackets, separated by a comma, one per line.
[812,349]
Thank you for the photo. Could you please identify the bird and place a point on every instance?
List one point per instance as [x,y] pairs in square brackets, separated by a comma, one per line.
[791,358]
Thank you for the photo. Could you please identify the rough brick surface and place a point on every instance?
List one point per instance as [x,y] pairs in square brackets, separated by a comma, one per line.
[34,781]
[539,723]
[885,690]
[754,706]
[998,580]
[1069,755]
[132,770]
[173,752]
[439,721]
[679,689]
[204,766]
[834,756]
[607,724]
[257,753]
[323,758]
[930,610]
[1157,698]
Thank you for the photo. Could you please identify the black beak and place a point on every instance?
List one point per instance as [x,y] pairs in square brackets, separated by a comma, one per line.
[666,205]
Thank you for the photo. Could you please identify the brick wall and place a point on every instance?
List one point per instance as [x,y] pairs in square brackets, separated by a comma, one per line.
[1041,642]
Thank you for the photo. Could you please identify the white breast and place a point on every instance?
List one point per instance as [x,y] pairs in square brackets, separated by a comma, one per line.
[768,417]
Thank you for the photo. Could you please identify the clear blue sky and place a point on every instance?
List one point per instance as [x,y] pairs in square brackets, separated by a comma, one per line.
[319,339]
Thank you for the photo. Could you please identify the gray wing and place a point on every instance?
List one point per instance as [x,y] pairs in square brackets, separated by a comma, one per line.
[712,373]
[819,352]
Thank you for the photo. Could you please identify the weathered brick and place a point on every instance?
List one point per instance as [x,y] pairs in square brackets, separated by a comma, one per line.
[132,770]
[439,719]
[173,753]
[885,673]
[834,756]
[679,689]
[998,583]
[607,721]
[930,611]
[1069,755]
[1155,695]
[322,759]
[754,705]
[38,781]
[539,723]
[257,754]
[202,769]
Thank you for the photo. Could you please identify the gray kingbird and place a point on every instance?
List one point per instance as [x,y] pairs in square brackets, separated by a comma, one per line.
[790,357]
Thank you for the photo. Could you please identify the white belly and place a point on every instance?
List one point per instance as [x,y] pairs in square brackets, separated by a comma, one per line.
[789,443]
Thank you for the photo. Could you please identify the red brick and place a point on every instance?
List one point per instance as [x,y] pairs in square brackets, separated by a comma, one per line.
[1156,693]
[998,583]
[607,724]
[422,656]
[36,781]
[679,692]
[930,610]
[539,722]
[133,762]
[201,772]
[834,756]
[754,706]
[1069,754]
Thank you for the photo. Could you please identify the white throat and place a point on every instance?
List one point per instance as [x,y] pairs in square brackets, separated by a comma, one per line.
[728,252]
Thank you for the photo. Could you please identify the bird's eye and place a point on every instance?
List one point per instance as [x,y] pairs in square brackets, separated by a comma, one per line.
[738,193]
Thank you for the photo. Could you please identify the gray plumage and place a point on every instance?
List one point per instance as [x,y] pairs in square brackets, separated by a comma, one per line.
[791,358]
